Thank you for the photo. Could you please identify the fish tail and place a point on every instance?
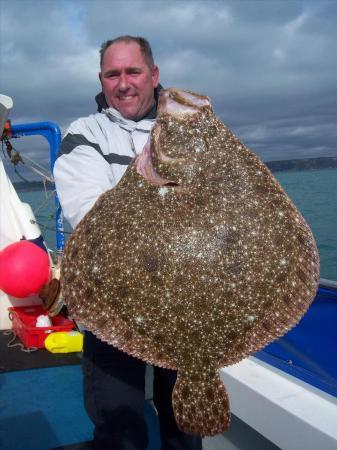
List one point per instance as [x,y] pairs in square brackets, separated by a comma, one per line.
[202,406]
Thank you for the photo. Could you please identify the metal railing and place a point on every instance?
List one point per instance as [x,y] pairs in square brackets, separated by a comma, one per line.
[51,132]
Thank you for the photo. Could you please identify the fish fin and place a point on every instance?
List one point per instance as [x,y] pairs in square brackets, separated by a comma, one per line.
[201,407]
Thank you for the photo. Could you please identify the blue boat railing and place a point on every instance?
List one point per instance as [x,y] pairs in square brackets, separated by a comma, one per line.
[51,132]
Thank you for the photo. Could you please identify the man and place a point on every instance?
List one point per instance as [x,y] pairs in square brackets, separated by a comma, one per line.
[93,157]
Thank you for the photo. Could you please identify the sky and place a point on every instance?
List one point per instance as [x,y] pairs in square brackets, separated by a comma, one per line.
[268,66]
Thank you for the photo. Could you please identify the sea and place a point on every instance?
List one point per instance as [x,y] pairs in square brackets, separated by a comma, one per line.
[314,192]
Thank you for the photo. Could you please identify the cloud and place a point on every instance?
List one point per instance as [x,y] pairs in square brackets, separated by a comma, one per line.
[268,67]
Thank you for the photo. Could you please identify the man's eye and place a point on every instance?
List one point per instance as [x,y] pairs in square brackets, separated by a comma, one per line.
[111,74]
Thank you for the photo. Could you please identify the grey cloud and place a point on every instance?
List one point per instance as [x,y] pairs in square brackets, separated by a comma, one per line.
[269,67]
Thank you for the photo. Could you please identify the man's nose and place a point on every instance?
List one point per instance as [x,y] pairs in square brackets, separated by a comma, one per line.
[123,82]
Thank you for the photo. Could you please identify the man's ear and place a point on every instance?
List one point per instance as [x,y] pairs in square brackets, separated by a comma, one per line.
[155,76]
[100,76]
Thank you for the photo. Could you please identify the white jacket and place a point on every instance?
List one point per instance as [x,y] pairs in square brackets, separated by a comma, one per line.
[93,157]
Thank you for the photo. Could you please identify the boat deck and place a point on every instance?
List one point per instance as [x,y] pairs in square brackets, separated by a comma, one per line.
[42,409]
[283,397]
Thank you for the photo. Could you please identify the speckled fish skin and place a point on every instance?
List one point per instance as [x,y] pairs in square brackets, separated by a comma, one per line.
[196,259]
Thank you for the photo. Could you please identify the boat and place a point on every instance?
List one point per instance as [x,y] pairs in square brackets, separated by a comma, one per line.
[284,396]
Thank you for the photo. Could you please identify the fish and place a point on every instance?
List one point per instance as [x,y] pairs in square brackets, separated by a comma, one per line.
[196,259]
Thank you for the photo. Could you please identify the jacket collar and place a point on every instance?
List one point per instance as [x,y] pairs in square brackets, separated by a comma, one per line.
[127,124]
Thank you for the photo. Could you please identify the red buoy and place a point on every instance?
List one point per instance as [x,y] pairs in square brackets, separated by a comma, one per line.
[24,269]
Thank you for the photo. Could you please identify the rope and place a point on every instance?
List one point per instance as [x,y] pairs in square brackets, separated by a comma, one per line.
[44,227]
[15,158]
[18,344]
[35,168]
[46,173]
[48,196]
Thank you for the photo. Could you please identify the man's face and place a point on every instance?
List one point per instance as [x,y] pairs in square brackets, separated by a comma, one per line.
[127,81]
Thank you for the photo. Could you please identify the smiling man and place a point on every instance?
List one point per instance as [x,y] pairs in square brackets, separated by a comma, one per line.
[93,157]
[96,150]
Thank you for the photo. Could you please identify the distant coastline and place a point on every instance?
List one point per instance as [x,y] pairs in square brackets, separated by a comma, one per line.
[297,165]
[287,165]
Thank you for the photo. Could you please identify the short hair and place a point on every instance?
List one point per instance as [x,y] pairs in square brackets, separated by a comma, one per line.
[144,46]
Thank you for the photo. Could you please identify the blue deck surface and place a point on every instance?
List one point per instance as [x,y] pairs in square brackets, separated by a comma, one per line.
[41,409]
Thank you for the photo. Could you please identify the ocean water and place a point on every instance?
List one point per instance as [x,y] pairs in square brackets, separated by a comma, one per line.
[314,193]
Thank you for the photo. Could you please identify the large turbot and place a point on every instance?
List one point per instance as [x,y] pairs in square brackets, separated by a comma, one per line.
[196,259]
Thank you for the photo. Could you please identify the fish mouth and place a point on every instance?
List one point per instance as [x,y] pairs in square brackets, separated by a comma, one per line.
[145,168]
[181,103]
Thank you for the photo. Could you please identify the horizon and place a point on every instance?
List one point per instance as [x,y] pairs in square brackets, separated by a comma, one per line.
[271,162]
